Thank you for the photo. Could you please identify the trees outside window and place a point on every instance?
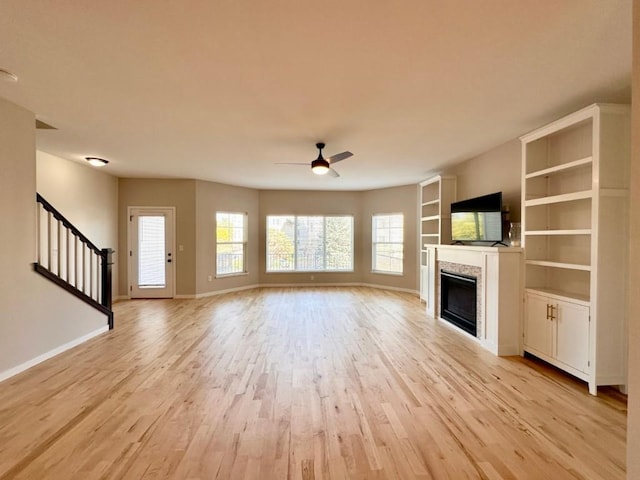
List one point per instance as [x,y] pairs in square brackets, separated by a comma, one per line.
[309,243]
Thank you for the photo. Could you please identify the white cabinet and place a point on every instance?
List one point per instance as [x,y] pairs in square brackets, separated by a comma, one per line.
[428,279]
[538,336]
[572,334]
[558,332]
[424,283]
[575,183]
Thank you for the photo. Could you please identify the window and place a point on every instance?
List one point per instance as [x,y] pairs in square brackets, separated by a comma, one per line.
[231,243]
[309,244]
[388,243]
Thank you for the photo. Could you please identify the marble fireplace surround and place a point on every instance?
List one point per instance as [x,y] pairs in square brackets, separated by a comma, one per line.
[499,290]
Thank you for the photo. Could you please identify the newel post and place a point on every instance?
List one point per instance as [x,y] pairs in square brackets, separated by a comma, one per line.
[107,261]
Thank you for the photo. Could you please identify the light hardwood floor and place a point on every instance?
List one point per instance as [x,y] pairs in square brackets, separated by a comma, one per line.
[300,383]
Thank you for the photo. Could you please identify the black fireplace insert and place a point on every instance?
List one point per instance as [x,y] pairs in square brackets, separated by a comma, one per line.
[458,300]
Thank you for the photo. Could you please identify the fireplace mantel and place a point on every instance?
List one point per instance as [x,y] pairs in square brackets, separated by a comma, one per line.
[499,291]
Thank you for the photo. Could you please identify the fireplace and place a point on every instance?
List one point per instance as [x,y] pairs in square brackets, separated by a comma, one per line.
[458,300]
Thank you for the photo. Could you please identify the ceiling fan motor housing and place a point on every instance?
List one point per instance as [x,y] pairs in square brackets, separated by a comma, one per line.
[319,163]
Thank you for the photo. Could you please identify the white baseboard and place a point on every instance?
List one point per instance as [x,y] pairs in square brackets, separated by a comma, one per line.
[51,353]
[287,285]
[351,284]
[307,285]
[226,290]
[395,289]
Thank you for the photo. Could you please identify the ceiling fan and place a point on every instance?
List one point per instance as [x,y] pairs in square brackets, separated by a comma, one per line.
[321,165]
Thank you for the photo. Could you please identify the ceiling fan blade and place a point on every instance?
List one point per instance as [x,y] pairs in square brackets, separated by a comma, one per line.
[333,173]
[290,163]
[339,157]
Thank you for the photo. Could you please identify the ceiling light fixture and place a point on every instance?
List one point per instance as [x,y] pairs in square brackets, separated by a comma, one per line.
[96,162]
[320,166]
[10,77]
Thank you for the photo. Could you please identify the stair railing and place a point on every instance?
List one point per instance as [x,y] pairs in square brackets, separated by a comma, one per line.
[72,261]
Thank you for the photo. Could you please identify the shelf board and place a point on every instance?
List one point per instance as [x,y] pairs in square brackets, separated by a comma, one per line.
[568,266]
[560,168]
[431,218]
[581,231]
[561,295]
[432,202]
[430,234]
[614,192]
[565,197]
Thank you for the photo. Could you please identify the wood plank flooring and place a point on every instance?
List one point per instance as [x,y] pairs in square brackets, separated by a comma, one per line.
[305,383]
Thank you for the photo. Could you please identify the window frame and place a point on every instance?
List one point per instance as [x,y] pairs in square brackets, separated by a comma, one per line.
[375,243]
[245,241]
[324,243]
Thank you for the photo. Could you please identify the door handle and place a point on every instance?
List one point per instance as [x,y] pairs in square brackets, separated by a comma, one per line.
[548,311]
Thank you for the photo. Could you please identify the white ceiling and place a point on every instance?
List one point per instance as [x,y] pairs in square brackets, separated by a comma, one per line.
[220,90]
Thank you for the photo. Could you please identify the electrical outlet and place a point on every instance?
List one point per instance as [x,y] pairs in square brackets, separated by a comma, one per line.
[313,277]
[209,278]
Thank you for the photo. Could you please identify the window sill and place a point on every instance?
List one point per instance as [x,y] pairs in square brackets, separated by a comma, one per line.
[227,275]
[382,272]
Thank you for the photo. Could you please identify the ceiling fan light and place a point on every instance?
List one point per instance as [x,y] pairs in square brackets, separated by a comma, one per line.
[320,166]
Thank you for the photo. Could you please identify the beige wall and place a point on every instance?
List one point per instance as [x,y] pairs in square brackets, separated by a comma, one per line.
[497,170]
[36,316]
[86,196]
[196,204]
[392,200]
[633,429]
[181,194]
[211,198]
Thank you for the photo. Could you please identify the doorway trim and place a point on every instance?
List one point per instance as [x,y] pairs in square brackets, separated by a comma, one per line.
[149,209]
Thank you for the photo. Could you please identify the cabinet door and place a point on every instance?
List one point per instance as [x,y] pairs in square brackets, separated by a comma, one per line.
[430,282]
[424,283]
[538,329]
[572,335]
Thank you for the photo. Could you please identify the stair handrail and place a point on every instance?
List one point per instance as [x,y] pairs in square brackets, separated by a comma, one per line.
[58,216]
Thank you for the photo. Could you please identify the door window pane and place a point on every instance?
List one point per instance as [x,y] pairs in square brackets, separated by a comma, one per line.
[151,252]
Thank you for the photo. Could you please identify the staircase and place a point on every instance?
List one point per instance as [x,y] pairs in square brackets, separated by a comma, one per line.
[72,261]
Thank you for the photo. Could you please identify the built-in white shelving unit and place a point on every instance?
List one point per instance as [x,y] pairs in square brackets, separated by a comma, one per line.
[435,196]
[575,236]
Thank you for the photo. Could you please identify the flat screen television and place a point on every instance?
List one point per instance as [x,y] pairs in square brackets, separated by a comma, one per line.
[477,219]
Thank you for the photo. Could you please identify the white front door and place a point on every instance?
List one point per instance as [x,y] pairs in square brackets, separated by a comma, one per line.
[151,252]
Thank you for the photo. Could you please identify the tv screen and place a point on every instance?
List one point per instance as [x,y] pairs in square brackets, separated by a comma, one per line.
[477,219]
